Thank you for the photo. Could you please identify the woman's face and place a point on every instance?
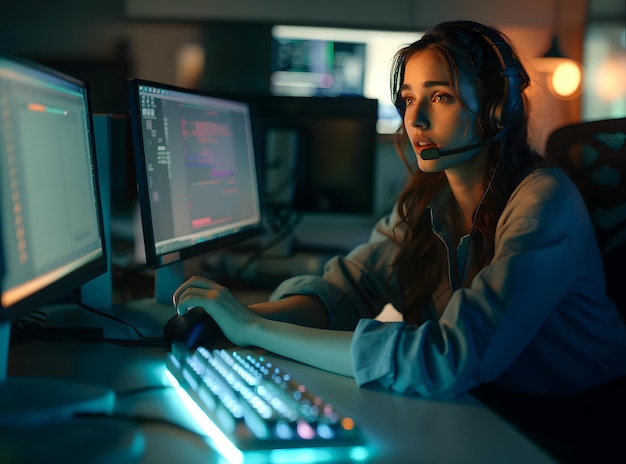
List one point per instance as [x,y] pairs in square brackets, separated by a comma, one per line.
[435,116]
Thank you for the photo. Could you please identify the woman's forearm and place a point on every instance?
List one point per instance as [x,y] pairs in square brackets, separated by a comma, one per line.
[297,309]
[278,326]
[321,348]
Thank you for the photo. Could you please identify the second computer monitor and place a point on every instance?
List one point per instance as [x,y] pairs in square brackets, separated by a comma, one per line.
[51,212]
[196,169]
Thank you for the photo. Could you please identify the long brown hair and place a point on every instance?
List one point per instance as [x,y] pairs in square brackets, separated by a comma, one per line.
[420,262]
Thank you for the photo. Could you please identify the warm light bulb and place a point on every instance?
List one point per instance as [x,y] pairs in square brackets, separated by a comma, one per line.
[566,79]
[190,65]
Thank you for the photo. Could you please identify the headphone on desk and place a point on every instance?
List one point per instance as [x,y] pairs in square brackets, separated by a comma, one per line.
[508,110]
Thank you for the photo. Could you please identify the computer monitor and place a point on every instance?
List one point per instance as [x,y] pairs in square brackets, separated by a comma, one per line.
[319,159]
[335,61]
[334,149]
[51,222]
[197,176]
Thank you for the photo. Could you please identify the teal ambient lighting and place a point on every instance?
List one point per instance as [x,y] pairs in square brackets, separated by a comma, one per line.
[219,441]
[233,455]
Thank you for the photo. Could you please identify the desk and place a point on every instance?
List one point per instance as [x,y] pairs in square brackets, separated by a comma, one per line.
[401,429]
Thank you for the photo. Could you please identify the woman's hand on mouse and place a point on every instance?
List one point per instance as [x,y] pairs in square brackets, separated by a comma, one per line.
[234,318]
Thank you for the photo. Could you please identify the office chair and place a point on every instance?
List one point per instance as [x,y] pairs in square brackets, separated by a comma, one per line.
[593,154]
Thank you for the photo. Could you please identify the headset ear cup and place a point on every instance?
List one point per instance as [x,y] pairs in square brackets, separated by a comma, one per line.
[509,111]
[494,115]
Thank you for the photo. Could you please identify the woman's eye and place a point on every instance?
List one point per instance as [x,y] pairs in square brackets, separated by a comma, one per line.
[408,101]
[441,98]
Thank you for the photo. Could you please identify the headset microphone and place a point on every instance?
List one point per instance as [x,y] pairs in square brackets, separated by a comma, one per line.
[433,153]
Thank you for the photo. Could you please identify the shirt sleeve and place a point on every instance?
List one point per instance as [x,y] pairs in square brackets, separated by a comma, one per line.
[357,285]
[486,326]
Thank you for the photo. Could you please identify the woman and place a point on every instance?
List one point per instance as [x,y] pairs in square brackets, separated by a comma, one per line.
[489,256]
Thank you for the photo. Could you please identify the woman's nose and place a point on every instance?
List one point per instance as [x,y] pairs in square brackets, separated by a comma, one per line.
[419,116]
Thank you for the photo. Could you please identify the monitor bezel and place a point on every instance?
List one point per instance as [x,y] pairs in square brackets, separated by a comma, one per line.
[153,259]
[73,280]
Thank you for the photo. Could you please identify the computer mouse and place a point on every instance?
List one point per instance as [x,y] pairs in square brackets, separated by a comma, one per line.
[195,328]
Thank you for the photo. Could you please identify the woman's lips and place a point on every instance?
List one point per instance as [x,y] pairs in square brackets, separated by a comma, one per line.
[422,143]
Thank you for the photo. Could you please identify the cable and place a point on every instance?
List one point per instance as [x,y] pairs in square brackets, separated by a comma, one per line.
[471,232]
[82,305]
[143,340]
[141,390]
[279,237]
[139,420]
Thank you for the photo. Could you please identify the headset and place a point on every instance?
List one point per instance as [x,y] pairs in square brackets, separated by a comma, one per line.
[506,112]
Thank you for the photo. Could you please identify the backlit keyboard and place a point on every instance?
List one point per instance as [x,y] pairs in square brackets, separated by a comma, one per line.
[258,413]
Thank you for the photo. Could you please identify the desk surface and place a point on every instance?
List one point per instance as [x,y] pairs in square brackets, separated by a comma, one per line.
[400,428]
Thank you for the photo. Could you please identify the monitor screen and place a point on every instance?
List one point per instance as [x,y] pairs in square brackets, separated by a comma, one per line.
[196,170]
[51,211]
[332,61]
[317,67]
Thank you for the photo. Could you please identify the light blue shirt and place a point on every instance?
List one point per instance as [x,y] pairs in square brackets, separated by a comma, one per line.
[535,320]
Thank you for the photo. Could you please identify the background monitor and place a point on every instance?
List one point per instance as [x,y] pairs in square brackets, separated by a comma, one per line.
[197,176]
[335,149]
[319,162]
[334,61]
[51,222]
[317,67]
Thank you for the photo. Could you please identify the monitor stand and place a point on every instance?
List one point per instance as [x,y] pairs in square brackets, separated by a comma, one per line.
[140,319]
[150,315]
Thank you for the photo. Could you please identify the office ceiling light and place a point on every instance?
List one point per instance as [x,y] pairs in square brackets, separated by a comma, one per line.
[564,75]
